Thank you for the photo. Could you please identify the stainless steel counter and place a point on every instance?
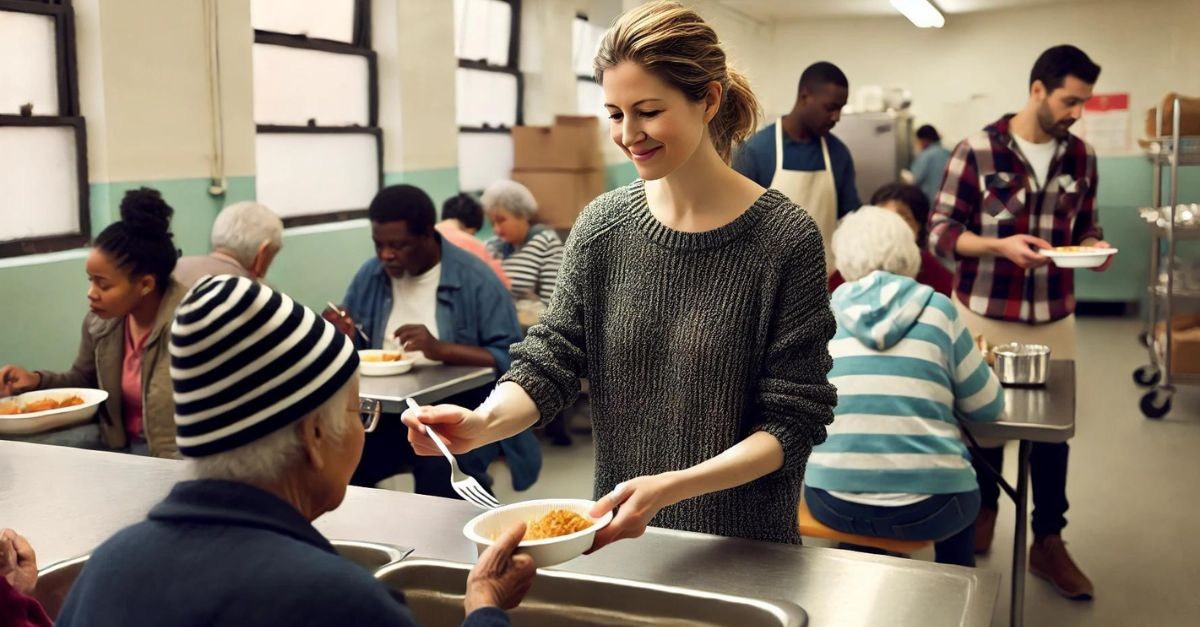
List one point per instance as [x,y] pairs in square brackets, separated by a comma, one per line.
[1037,414]
[67,501]
[425,384]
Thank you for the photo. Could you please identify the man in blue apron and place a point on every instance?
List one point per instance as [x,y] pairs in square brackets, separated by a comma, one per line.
[799,157]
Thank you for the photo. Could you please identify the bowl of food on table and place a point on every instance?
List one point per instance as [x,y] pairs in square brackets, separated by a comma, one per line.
[46,410]
[557,530]
[1078,256]
[382,363]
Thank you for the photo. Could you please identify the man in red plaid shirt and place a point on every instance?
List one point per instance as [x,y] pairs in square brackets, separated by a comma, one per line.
[1023,184]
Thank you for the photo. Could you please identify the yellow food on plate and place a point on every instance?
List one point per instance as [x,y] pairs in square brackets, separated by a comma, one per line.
[559,522]
[383,357]
[8,409]
[1075,249]
[70,401]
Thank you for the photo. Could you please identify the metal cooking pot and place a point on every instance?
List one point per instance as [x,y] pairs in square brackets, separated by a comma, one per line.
[1022,364]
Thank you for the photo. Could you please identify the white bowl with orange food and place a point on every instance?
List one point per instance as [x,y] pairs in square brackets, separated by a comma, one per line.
[1078,256]
[384,363]
[558,530]
[46,410]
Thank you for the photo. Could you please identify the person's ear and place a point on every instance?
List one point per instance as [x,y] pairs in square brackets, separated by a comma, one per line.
[1038,90]
[147,284]
[262,260]
[312,439]
[712,101]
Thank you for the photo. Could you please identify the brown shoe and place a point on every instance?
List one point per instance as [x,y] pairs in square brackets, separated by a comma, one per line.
[985,528]
[1048,559]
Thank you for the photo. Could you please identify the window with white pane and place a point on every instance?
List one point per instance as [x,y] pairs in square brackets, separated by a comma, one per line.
[43,150]
[319,148]
[489,88]
[586,38]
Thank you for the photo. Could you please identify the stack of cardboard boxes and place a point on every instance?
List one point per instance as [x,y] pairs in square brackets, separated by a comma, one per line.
[561,165]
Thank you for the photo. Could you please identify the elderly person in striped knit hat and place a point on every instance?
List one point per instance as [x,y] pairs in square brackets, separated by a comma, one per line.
[267,409]
[893,465]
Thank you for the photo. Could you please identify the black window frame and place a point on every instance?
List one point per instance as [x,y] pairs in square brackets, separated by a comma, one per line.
[361,46]
[512,68]
[69,114]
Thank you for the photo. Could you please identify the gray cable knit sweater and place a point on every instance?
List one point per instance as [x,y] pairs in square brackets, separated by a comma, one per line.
[692,342]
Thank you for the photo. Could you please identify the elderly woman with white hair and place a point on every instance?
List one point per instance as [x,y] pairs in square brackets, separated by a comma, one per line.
[246,237]
[267,410]
[529,253]
[904,364]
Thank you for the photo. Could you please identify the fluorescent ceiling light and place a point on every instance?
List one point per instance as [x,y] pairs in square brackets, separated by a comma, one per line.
[921,13]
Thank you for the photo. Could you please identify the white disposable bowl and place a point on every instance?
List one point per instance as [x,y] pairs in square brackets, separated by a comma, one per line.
[1092,258]
[546,552]
[39,421]
[383,368]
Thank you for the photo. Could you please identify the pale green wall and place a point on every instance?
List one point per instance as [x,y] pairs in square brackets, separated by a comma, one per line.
[1126,185]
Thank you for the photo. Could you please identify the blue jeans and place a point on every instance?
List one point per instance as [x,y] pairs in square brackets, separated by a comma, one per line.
[947,519]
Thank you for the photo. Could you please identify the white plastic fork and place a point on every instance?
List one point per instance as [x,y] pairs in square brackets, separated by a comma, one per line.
[465,485]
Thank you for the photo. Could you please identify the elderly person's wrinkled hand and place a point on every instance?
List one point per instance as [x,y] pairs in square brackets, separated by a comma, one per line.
[500,578]
[18,562]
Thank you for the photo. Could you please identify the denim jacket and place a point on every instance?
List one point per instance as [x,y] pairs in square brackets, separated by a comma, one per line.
[473,308]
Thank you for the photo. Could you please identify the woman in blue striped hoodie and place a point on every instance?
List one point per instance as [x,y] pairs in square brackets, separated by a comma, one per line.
[903,363]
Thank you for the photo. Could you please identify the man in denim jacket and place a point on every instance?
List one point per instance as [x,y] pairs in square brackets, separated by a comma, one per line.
[422,293]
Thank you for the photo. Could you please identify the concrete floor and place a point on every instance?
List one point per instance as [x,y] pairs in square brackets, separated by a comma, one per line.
[1132,492]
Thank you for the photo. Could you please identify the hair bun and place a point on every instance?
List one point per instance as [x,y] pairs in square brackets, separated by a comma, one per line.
[145,210]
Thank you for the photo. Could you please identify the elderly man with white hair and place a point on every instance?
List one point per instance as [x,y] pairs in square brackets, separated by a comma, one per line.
[529,253]
[246,236]
[904,364]
[267,409]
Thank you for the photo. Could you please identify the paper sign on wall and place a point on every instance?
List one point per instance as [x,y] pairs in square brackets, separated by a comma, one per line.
[1106,124]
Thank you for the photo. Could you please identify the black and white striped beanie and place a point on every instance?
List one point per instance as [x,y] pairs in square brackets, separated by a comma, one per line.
[247,360]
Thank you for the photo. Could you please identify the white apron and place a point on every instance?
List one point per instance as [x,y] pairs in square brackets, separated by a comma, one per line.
[814,191]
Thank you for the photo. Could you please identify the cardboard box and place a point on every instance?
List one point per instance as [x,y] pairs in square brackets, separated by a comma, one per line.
[1185,344]
[561,195]
[1189,116]
[573,143]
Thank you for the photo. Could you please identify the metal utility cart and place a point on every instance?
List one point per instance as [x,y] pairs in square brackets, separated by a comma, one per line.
[1168,224]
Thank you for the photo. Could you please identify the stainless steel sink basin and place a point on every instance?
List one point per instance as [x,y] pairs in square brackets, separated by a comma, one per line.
[435,591]
[55,580]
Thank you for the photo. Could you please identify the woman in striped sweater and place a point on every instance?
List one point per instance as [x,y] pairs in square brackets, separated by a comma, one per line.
[529,253]
[903,363]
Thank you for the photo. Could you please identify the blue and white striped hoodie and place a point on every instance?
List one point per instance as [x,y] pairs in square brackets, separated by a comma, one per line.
[903,362]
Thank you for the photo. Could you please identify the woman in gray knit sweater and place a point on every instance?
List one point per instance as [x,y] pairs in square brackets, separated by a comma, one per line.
[692,299]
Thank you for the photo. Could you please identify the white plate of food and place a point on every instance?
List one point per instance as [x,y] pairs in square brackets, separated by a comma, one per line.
[384,363]
[46,410]
[558,530]
[1078,256]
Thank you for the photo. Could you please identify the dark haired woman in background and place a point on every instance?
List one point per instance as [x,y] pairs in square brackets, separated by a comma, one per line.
[132,300]
[462,217]
[909,202]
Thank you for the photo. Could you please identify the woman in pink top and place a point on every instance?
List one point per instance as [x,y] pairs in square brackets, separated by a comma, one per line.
[462,217]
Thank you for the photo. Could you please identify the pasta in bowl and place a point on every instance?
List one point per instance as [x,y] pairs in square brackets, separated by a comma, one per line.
[558,530]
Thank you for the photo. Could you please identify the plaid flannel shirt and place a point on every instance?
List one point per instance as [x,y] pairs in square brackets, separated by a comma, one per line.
[989,190]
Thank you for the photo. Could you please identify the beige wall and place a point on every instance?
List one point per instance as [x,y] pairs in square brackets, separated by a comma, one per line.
[144,88]
[977,67]
[546,59]
[414,41]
